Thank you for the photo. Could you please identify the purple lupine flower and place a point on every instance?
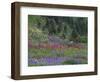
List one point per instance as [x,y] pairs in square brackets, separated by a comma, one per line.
[31,61]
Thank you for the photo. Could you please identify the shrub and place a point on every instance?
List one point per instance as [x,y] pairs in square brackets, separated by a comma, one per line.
[83,39]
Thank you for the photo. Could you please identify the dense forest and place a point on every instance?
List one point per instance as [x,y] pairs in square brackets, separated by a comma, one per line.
[70,28]
[56,40]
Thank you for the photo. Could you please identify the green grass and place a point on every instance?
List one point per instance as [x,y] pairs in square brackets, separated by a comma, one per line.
[56,53]
[69,62]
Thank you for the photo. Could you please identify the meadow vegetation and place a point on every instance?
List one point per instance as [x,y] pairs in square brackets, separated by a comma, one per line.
[55,40]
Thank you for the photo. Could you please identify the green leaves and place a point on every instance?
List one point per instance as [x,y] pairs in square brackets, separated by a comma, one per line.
[71,28]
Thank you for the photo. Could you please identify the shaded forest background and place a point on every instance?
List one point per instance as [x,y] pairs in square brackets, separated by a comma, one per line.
[69,28]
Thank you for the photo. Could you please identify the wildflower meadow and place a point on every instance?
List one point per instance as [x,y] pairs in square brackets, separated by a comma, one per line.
[56,40]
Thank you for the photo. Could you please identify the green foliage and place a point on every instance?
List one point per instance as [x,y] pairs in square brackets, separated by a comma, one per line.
[36,21]
[57,53]
[83,39]
[71,28]
[36,35]
[69,62]
[74,36]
